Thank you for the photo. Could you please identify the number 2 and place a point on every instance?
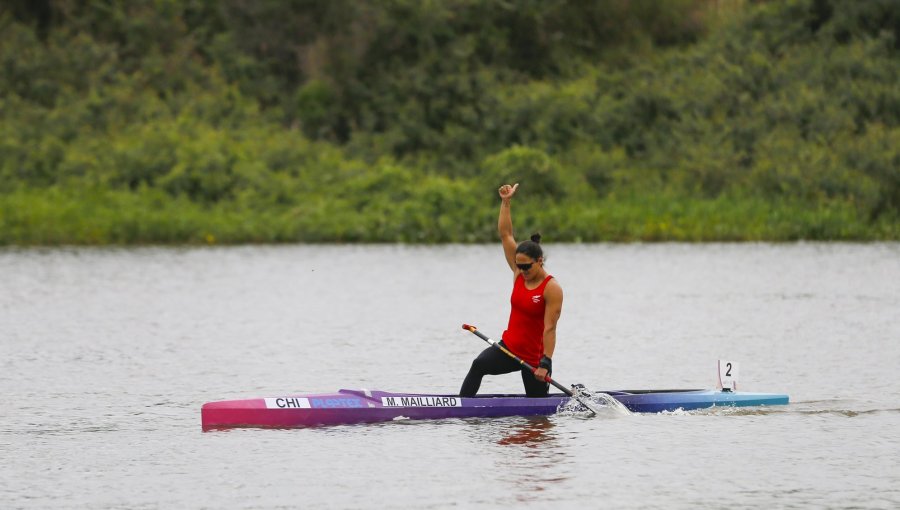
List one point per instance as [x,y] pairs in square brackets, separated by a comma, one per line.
[728,372]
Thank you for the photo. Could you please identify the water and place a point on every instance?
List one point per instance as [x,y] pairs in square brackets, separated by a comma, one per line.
[107,355]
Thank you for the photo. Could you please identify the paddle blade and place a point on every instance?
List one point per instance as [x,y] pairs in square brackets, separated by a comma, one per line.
[598,402]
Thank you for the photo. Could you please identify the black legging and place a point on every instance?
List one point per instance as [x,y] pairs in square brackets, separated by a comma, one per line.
[493,361]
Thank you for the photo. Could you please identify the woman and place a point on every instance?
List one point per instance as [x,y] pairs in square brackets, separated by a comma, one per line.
[536,305]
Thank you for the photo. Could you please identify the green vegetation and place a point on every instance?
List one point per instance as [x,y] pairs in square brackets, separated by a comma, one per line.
[200,121]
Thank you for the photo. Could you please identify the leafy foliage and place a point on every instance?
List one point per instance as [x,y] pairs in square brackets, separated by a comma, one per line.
[306,120]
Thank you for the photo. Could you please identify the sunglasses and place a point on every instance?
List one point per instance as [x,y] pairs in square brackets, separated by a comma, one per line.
[525,267]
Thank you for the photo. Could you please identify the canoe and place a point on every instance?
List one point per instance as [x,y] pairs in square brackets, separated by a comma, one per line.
[365,406]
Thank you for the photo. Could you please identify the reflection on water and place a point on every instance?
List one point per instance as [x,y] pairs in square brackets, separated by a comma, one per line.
[530,434]
[535,462]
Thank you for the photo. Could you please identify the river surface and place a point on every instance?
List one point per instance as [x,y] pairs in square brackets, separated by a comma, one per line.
[106,356]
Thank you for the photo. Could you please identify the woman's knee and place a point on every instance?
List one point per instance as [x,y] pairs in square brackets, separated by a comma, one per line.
[479,365]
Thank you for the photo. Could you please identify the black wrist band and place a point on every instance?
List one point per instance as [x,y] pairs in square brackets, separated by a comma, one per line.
[546,363]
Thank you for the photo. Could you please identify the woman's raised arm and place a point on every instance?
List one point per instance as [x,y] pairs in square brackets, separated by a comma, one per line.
[504,225]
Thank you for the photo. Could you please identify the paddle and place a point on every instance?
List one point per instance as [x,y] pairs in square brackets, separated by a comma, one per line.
[530,368]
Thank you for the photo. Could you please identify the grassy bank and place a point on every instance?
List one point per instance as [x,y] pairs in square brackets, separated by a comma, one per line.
[100,217]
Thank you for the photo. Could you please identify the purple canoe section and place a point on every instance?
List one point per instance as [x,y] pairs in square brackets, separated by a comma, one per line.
[364,406]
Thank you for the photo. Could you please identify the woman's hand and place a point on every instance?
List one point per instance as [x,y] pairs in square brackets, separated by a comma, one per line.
[506,191]
[543,370]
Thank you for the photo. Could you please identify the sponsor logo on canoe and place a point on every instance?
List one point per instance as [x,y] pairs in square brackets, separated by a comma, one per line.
[287,403]
[421,401]
[335,403]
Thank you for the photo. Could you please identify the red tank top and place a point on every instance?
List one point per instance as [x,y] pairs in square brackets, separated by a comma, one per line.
[524,335]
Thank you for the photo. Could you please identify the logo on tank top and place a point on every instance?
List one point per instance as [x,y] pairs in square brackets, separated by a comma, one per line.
[535,299]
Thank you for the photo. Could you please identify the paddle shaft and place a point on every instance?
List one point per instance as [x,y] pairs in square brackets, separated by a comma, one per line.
[522,362]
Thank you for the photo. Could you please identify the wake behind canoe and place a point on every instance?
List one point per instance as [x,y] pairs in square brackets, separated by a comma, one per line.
[364,406]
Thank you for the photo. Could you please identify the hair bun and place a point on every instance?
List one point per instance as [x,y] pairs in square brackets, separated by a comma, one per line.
[536,237]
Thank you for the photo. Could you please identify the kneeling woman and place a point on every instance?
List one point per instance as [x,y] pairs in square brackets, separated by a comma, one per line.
[536,305]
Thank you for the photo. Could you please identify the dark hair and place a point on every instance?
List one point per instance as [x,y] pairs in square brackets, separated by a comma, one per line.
[531,248]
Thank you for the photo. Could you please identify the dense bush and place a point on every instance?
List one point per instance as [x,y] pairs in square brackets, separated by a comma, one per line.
[236,121]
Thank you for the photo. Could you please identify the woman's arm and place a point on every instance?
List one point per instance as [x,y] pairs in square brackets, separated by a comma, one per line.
[504,225]
[553,298]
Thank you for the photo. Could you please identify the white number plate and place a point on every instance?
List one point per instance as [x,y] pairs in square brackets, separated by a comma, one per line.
[728,375]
